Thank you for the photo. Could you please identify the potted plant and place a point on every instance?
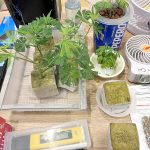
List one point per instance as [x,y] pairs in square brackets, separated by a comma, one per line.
[107,62]
[114,17]
[37,34]
[66,60]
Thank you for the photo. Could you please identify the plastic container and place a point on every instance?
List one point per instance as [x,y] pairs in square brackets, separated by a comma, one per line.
[72,7]
[121,110]
[67,136]
[140,24]
[7,25]
[4,128]
[141,7]
[113,30]
[138,118]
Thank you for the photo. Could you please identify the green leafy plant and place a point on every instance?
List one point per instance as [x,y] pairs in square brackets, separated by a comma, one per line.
[90,17]
[122,3]
[72,60]
[36,34]
[107,57]
[108,4]
[110,8]
[69,55]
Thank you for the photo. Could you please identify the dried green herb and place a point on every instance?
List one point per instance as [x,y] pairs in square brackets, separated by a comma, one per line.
[116,93]
[146,128]
[124,136]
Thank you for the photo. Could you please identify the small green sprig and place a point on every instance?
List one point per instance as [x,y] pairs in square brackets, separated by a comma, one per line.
[90,17]
[105,4]
[108,4]
[107,57]
[122,3]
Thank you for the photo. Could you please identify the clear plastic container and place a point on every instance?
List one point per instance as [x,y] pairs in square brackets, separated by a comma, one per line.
[139,118]
[72,7]
[67,136]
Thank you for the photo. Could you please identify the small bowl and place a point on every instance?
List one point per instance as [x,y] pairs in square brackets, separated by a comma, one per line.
[108,73]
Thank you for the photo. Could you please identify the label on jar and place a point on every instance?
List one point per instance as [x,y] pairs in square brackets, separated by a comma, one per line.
[111,35]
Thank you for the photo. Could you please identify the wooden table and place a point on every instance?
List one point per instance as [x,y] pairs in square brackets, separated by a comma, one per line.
[98,120]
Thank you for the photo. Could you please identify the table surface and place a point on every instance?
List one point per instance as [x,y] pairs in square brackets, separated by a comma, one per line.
[97,119]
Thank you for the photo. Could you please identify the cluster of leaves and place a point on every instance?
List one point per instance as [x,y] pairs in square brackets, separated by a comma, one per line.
[107,57]
[72,60]
[5,54]
[90,17]
[70,54]
[122,3]
[36,33]
[108,4]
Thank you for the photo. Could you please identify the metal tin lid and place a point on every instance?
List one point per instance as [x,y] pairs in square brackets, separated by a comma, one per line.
[73,4]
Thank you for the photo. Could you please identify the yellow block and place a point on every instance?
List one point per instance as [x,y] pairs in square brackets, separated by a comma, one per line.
[56,138]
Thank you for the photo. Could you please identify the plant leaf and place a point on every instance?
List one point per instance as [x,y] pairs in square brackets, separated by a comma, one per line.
[20,44]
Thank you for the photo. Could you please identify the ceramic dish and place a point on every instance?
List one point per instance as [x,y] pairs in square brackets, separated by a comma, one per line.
[108,73]
[122,110]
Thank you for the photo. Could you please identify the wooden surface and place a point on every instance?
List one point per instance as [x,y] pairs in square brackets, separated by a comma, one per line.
[98,120]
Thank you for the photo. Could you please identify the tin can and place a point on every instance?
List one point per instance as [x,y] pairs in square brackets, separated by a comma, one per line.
[113,30]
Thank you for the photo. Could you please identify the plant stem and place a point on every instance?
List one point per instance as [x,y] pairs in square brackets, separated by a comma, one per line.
[47,67]
[88,31]
[14,56]
[23,59]
[26,57]
[39,49]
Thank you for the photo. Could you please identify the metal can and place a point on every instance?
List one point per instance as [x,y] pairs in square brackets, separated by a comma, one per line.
[113,30]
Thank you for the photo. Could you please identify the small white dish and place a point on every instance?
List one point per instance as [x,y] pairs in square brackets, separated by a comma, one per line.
[122,111]
[108,73]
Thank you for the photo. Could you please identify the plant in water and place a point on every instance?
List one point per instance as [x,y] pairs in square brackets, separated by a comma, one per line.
[107,57]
